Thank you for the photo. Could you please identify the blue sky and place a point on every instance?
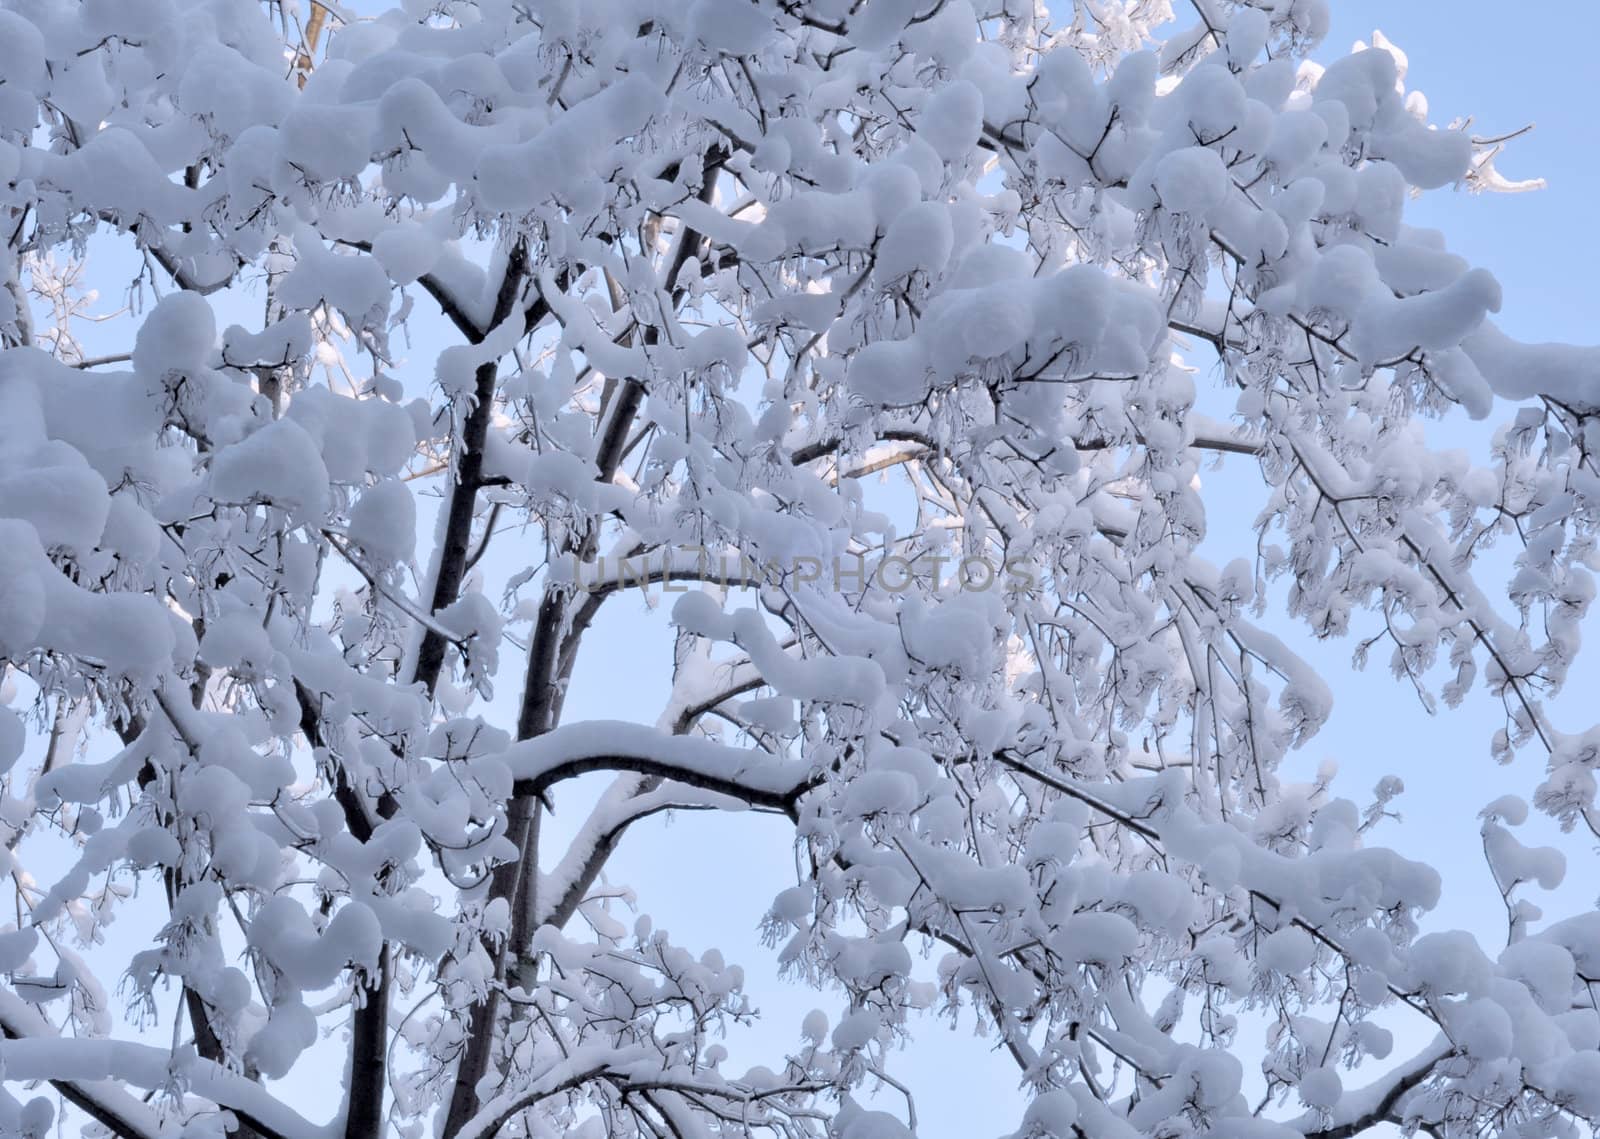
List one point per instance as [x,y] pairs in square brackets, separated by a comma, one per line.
[1507,66]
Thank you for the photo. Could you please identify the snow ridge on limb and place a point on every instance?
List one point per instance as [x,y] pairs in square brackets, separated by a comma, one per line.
[613,745]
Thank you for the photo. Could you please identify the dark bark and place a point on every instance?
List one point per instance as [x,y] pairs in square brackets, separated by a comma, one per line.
[369,1049]
[469,476]
[551,656]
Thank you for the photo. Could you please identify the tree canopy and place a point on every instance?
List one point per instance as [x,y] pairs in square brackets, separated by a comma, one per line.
[882,341]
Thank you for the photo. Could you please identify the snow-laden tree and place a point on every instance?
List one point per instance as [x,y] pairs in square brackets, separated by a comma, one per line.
[702,268]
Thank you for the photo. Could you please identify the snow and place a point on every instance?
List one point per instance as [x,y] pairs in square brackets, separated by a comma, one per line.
[283,342]
[1340,282]
[114,156]
[1380,199]
[1052,1113]
[13,738]
[407,252]
[327,142]
[176,336]
[952,120]
[862,1124]
[919,240]
[356,286]
[64,501]
[1320,1087]
[16,946]
[280,465]
[1518,371]
[978,324]
[415,121]
[99,1067]
[1212,100]
[1579,1079]
[1297,137]
[1482,1029]
[878,792]
[356,437]
[152,846]
[1288,950]
[22,52]
[230,92]
[573,748]
[1192,180]
[730,26]
[513,178]
[889,372]
[855,1031]
[383,522]
[1431,321]
[283,933]
[236,640]
[125,633]
[1513,862]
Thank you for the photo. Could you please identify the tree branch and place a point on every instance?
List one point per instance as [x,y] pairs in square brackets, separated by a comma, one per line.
[34,1051]
[754,777]
[469,477]
[1382,1109]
